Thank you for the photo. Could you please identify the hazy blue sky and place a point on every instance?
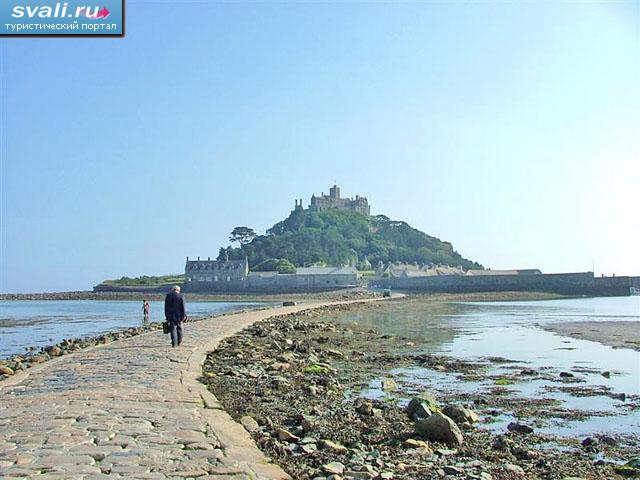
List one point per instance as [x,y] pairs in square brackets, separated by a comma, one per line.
[510,129]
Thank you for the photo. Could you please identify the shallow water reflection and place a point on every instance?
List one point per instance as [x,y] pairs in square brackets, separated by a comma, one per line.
[478,331]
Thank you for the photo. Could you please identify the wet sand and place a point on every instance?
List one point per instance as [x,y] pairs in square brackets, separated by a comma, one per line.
[614,334]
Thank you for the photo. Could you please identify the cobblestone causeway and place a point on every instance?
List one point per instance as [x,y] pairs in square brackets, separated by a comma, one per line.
[130,409]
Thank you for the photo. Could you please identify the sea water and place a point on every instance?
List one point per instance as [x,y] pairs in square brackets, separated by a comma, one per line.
[37,323]
[514,330]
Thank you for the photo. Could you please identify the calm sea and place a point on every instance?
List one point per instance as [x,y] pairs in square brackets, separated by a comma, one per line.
[25,323]
[515,331]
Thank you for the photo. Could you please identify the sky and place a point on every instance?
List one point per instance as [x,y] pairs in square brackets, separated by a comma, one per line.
[510,129]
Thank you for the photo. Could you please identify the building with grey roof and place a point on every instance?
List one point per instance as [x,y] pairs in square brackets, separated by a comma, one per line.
[234,276]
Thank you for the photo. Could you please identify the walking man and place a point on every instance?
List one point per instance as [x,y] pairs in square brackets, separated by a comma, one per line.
[175,314]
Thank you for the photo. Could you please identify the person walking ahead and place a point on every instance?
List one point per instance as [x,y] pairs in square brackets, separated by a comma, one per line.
[175,314]
[145,311]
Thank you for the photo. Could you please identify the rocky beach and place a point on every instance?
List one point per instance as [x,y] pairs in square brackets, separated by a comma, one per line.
[302,386]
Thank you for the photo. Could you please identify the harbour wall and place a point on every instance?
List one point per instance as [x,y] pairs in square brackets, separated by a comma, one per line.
[580,283]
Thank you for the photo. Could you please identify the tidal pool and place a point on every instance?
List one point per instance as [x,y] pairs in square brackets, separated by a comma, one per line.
[481,331]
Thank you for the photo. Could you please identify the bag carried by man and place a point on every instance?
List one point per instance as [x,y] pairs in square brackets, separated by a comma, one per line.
[165,327]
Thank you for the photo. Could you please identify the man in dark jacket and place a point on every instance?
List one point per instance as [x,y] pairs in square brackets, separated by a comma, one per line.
[175,314]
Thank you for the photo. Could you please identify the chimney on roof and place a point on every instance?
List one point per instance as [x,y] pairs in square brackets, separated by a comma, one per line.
[187,258]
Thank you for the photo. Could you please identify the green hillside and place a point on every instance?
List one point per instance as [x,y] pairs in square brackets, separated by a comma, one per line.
[146,281]
[334,237]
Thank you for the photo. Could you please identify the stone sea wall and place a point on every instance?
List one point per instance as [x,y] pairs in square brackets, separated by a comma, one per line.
[581,283]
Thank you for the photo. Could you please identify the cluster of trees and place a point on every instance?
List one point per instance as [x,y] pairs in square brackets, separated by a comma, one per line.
[337,237]
[280,265]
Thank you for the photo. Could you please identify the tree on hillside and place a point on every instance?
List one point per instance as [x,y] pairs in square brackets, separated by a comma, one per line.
[280,265]
[242,235]
[224,253]
[334,237]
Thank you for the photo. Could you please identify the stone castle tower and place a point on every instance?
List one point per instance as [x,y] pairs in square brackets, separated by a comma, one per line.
[334,200]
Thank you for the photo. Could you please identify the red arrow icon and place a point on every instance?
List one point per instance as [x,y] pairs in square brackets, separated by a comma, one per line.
[103,13]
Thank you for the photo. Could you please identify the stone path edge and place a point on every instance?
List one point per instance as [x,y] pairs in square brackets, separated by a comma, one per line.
[22,375]
[236,442]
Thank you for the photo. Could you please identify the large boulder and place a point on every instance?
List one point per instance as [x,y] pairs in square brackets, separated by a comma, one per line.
[459,414]
[419,409]
[440,428]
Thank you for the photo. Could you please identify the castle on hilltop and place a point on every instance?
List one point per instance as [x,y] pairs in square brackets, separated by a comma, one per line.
[333,200]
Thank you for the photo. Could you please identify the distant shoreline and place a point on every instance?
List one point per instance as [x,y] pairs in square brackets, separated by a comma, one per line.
[276,297]
[193,297]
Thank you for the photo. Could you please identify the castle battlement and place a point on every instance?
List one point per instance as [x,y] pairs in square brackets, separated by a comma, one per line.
[334,200]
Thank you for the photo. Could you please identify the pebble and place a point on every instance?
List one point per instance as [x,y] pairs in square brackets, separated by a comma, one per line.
[519,428]
[286,436]
[510,467]
[334,447]
[451,470]
[249,423]
[333,468]
[389,385]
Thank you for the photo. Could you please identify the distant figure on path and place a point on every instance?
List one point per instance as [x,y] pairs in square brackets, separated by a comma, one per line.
[175,314]
[146,308]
